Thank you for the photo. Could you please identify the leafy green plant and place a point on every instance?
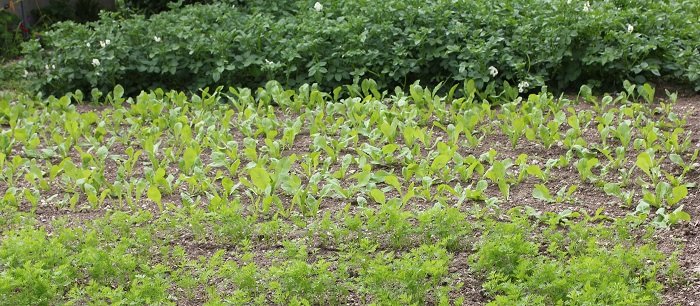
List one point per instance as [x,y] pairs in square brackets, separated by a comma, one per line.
[650,166]
[498,173]
[585,168]
[518,273]
[564,194]
[192,47]
[615,189]
[664,194]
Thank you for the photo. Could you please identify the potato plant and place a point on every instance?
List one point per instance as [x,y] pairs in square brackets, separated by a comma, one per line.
[518,45]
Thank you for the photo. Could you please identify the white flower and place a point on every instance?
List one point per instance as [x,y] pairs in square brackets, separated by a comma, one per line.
[95,62]
[630,28]
[156,38]
[523,85]
[88,45]
[493,71]
[47,66]
[269,62]
[53,67]
[318,6]
[105,43]
[26,73]
[587,7]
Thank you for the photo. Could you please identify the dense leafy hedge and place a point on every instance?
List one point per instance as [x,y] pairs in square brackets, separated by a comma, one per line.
[556,42]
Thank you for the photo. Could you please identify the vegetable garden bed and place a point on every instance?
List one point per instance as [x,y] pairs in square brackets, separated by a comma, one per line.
[350,196]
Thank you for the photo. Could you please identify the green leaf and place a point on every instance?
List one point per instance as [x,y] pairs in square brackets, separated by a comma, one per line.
[154,195]
[227,184]
[388,130]
[541,192]
[535,171]
[416,93]
[260,178]
[378,196]
[91,193]
[389,148]
[612,189]
[678,215]
[440,162]
[678,193]
[190,156]
[504,188]
[644,162]
[676,159]
[118,92]
[393,181]
[218,159]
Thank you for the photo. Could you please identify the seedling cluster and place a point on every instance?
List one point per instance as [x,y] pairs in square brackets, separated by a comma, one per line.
[233,196]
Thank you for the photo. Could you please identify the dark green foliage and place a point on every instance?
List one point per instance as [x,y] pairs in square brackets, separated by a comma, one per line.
[80,11]
[394,42]
[10,35]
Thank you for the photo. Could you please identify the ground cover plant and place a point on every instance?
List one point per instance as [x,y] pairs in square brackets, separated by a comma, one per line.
[355,195]
[527,43]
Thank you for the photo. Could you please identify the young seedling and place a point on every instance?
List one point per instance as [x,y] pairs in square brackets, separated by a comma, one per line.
[565,194]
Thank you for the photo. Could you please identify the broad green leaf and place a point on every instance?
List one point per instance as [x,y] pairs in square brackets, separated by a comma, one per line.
[662,190]
[154,195]
[440,162]
[644,162]
[504,188]
[118,92]
[388,130]
[190,156]
[378,196]
[260,178]
[227,184]
[535,171]
[541,192]
[218,159]
[677,216]
[393,181]
[389,148]
[416,93]
[676,159]
[612,189]
[678,193]
[91,193]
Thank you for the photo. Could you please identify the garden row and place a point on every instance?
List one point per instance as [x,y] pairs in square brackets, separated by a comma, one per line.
[356,195]
[524,42]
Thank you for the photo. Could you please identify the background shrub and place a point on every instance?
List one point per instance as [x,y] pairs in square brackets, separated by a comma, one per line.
[63,10]
[394,42]
[10,35]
